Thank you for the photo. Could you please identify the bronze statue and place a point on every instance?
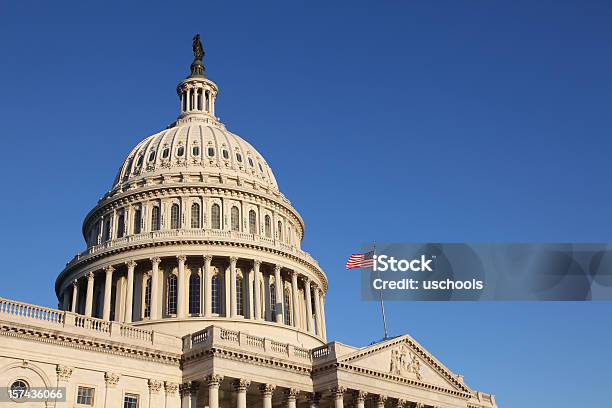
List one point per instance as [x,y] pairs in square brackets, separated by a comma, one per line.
[198,50]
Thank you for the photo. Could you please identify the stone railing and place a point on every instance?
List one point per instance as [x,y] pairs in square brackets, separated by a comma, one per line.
[195,234]
[12,311]
[262,345]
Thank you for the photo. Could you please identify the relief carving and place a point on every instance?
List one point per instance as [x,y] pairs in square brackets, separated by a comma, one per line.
[405,363]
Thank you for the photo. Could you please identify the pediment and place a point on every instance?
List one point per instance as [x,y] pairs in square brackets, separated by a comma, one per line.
[403,359]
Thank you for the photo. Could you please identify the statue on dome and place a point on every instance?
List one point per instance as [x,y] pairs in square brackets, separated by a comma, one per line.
[198,50]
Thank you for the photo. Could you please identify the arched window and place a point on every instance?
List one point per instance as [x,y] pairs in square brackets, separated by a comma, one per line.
[273,302]
[239,300]
[195,151]
[215,215]
[155,219]
[120,226]
[180,151]
[165,153]
[172,292]
[268,226]
[280,231]
[137,220]
[175,221]
[252,222]
[287,303]
[215,294]
[195,215]
[235,215]
[194,294]
[147,299]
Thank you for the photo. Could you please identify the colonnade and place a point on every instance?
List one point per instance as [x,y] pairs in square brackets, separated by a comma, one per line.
[336,397]
[197,98]
[199,286]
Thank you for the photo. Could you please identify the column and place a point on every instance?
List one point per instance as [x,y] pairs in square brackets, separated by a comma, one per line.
[379,400]
[308,298]
[241,385]
[295,297]
[338,396]
[233,299]
[180,299]
[185,395]
[108,286]
[155,304]
[278,288]
[129,293]
[323,326]
[266,394]
[291,396]
[257,294]
[89,295]
[317,304]
[75,296]
[207,282]
[401,403]
[214,381]
[66,298]
[194,386]
[360,399]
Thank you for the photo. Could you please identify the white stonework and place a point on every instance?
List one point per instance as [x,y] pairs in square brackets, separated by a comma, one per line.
[194,292]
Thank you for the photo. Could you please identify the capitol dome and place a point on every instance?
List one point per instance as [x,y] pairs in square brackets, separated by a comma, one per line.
[195,231]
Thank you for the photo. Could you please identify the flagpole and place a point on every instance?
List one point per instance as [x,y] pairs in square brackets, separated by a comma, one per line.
[382,303]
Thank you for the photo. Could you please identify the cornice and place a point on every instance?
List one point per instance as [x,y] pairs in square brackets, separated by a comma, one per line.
[37,334]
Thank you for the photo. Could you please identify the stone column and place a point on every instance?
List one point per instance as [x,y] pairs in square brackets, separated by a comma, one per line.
[360,397]
[317,304]
[233,279]
[129,293]
[248,290]
[171,390]
[66,298]
[291,396]
[295,297]
[308,297]
[155,303]
[338,396]
[75,296]
[380,400]
[207,282]
[89,296]
[214,381]
[323,325]
[108,287]
[401,403]
[181,290]
[185,395]
[241,385]
[257,294]
[278,288]
[155,387]
[111,380]
[266,393]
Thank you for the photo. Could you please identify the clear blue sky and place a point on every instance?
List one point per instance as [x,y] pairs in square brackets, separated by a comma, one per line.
[468,121]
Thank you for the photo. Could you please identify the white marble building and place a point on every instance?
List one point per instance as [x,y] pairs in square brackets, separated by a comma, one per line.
[194,292]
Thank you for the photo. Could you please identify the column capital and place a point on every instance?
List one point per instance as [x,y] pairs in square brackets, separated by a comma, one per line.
[360,395]
[214,380]
[208,258]
[241,384]
[277,268]
[111,379]
[233,260]
[401,403]
[154,385]
[170,387]
[291,394]
[184,389]
[131,264]
[294,273]
[90,275]
[109,269]
[380,399]
[267,389]
[75,283]
[257,263]
[181,258]
[419,405]
[307,280]
[155,260]
[63,372]
[337,392]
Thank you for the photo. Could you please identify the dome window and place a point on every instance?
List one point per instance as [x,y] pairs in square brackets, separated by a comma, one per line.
[225,154]
[251,162]
[195,151]
[139,162]
[260,168]
[152,156]
[166,153]
[180,151]
[239,157]
[211,151]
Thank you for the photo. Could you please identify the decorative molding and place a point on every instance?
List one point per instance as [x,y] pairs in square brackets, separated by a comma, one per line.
[111,379]
[291,394]
[214,380]
[131,264]
[360,395]
[63,372]
[337,392]
[267,389]
[404,362]
[155,386]
[241,384]
[171,388]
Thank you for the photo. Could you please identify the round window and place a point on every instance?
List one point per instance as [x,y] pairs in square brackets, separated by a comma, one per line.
[18,390]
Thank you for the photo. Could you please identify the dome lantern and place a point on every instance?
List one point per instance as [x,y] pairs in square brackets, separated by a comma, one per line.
[197,93]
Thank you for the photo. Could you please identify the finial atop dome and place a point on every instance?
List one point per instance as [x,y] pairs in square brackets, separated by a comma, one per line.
[197,67]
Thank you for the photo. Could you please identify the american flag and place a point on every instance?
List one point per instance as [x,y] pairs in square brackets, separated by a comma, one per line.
[360,260]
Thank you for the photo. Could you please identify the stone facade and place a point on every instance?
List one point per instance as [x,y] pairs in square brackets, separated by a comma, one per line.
[194,291]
